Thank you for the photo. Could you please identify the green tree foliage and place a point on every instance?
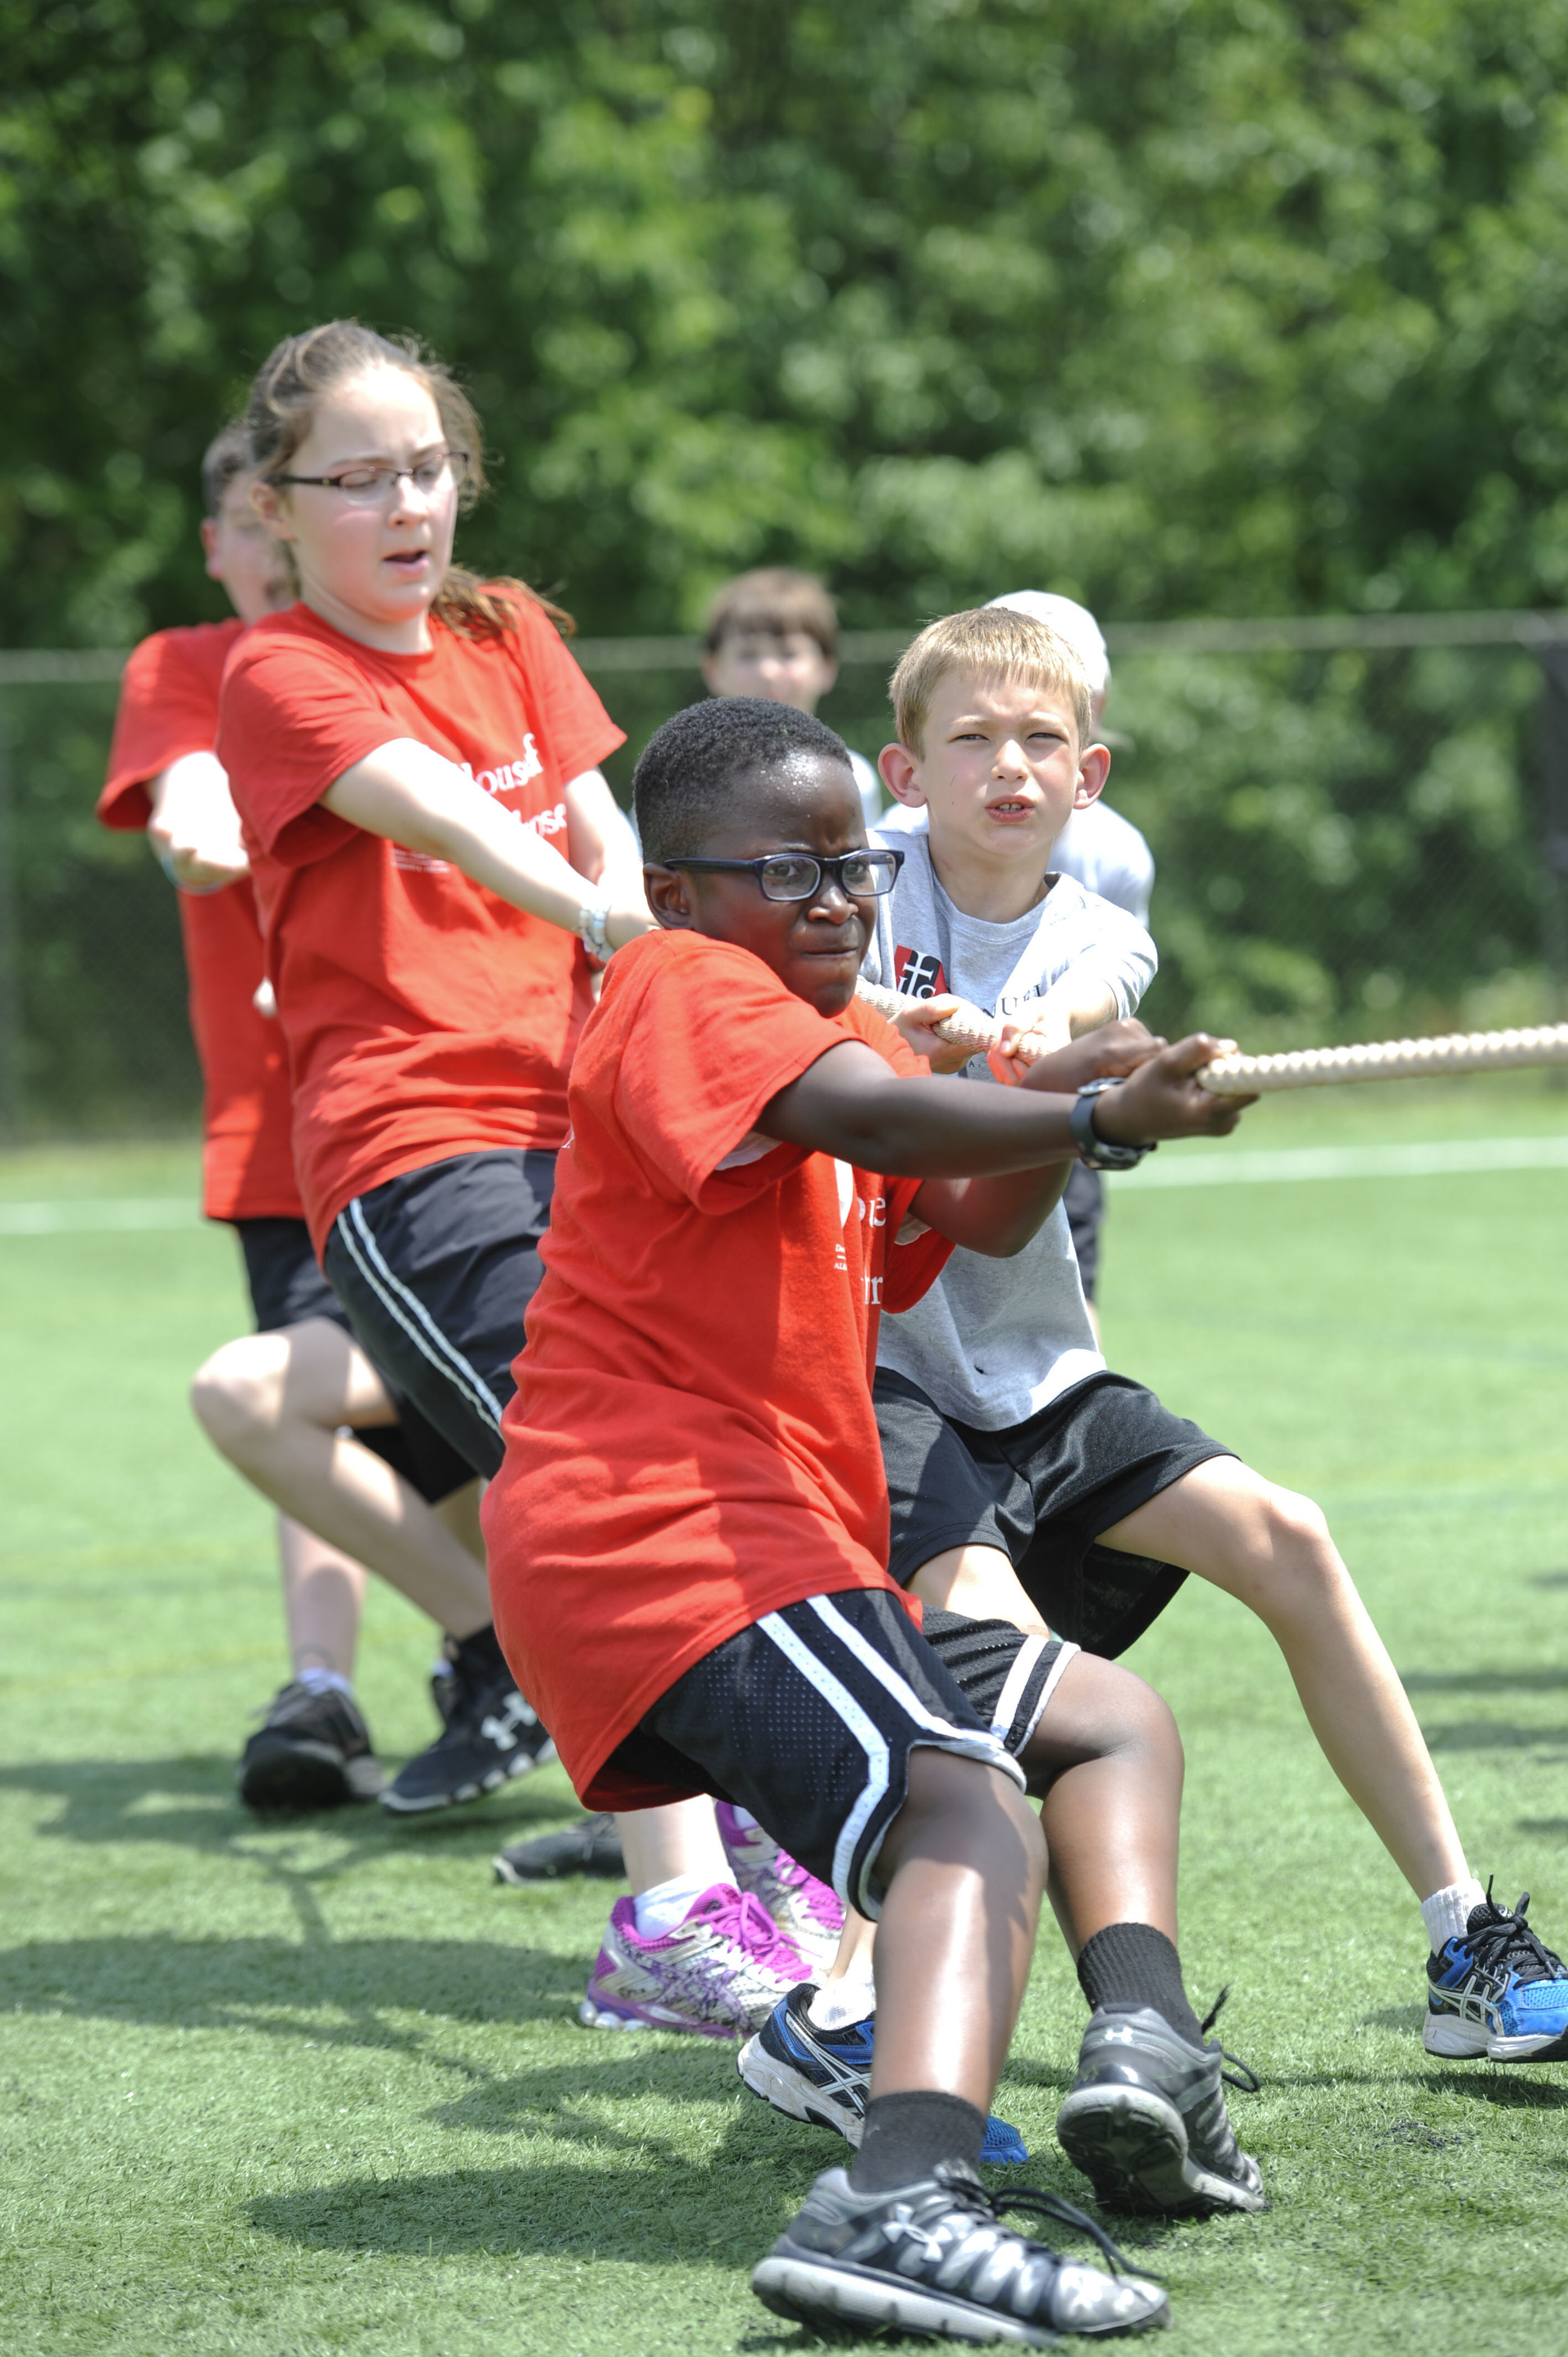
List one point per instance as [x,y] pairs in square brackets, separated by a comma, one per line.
[1184,306]
[1192,304]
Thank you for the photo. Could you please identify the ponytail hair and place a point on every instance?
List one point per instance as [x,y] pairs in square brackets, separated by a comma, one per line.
[299,372]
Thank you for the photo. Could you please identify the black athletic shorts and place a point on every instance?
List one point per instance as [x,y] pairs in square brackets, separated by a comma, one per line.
[1006,1677]
[436,1270]
[286,1287]
[1083,1200]
[807,1718]
[1042,1491]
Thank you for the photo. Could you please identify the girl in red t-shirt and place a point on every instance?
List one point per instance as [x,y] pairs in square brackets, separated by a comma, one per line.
[439,865]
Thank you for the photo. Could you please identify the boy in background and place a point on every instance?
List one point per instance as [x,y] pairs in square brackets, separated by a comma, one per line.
[774,634]
[1026,1481]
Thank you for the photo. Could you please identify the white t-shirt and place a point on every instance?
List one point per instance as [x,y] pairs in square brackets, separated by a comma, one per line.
[994,1340]
[1100,848]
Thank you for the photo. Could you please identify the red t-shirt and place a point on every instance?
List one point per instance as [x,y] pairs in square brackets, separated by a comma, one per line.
[692,1444]
[168,706]
[425,1016]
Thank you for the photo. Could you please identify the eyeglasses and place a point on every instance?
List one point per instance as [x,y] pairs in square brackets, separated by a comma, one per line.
[366,486]
[796,876]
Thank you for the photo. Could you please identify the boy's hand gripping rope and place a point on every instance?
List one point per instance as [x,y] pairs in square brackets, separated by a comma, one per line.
[1304,1067]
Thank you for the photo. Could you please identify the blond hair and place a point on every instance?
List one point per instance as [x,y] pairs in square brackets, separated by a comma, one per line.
[297,375]
[992,643]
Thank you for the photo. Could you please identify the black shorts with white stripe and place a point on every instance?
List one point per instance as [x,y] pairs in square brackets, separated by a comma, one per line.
[287,1287]
[807,1718]
[436,1270]
[1006,1678]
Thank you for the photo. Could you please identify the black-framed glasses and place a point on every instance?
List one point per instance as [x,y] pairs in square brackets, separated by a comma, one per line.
[370,483]
[798,875]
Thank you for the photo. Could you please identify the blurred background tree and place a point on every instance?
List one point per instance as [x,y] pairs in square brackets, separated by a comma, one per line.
[1195,305]
[1188,307]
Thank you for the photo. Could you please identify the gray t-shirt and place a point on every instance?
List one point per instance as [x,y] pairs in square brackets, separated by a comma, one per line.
[994,1340]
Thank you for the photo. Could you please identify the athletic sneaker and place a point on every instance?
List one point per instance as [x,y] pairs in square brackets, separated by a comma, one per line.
[720,1972]
[590,1847]
[823,2076]
[311,1752]
[933,2259]
[1146,2120]
[1498,1991]
[492,1733]
[805,1910]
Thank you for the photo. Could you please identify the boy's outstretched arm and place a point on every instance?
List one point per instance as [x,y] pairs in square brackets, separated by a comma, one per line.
[849,1104]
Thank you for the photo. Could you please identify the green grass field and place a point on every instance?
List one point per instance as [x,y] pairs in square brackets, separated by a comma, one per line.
[321,2088]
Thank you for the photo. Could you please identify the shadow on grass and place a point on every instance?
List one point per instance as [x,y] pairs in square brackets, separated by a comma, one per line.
[1485,1682]
[332,1994]
[192,1802]
[1494,1735]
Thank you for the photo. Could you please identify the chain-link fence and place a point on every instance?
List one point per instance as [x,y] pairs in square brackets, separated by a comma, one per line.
[1360,827]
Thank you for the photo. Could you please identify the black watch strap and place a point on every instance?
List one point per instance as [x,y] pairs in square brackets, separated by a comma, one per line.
[1097,1151]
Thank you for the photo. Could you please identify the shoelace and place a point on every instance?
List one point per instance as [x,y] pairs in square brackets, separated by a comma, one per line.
[1040,2204]
[1507,1943]
[820,1903]
[760,1935]
[1241,2074]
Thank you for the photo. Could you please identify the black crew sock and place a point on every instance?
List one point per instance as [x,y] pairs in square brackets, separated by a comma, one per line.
[1133,1964]
[478,1660]
[906,2134]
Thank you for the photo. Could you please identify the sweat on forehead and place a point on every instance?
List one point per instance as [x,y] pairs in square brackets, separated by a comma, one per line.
[704,768]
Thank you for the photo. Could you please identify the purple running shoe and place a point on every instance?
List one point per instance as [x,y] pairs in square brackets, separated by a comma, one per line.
[720,1972]
[805,1910]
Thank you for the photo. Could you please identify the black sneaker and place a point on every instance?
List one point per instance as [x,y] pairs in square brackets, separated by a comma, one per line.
[492,1733]
[590,1847]
[311,1752]
[934,2259]
[1146,2120]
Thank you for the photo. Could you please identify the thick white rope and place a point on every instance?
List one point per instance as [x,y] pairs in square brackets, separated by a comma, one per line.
[1305,1068]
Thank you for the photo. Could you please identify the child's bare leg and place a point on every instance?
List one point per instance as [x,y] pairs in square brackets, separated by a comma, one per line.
[1108,1760]
[323,1596]
[964,1866]
[981,1582]
[273,1404]
[680,1843]
[1273,1550]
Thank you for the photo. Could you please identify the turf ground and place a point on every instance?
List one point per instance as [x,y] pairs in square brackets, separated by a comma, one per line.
[319,2088]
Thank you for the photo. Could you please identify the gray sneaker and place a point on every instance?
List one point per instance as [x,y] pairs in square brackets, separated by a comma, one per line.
[934,2259]
[1146,2120]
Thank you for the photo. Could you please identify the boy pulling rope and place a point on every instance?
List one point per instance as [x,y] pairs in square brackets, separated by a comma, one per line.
[1303,1068]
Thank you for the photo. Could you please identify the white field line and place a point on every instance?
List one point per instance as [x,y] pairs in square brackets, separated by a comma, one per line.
[1183,1165]
[85,1216]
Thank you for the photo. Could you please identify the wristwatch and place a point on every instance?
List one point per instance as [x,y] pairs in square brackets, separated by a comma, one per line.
[1097,1151]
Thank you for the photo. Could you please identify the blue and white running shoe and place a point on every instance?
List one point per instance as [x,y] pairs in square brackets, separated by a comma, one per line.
[824,2076]
[1498,1992]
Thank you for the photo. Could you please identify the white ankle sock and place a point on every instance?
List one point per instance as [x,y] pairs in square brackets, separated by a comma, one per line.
[324,1682]
[1446,1914]
[668,1904]
[839,2003]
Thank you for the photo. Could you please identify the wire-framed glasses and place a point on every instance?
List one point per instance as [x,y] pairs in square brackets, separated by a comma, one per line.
[368,484]
[798,876]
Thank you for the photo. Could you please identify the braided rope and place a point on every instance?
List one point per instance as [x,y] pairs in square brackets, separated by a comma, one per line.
[1388,1060]
[1305,1068]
